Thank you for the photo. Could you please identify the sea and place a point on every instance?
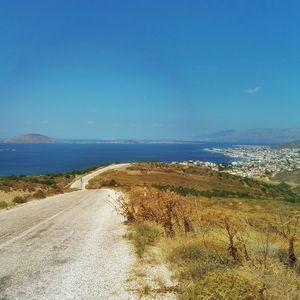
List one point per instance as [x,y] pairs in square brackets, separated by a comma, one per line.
[37,159]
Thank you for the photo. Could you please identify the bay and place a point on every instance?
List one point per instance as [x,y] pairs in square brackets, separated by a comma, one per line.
[35,159]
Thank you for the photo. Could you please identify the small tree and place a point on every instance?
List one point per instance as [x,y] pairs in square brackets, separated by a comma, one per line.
[231,229]
[288,230]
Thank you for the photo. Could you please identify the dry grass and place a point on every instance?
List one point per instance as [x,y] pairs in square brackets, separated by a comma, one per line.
[7,198]
[199,178]
[142,174]
[288,176]
[20,189]
[219,248]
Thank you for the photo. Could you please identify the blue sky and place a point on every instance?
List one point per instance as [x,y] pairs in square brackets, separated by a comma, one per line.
[148,69]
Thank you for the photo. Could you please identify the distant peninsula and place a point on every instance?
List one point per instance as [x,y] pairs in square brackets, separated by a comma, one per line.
[255,136]
[33,138]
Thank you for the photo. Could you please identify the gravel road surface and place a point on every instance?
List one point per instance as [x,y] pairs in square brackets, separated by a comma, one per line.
[81,183]
[68,246]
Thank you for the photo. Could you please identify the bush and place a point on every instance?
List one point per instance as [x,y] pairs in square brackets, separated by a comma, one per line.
[220,286]
[185,191]
[5,187]
[189,251]
[39,195]
[282,186]
[144,234]
[196,261]
[111,183]
[19,199]
[3,204]
[12,177]
[47,181]
[165,208]
[34,180]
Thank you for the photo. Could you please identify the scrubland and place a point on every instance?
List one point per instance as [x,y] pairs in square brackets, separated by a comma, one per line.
[290,177]
[223,237]
[20,189]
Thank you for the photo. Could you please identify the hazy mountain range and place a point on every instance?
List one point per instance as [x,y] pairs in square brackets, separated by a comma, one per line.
[255,136]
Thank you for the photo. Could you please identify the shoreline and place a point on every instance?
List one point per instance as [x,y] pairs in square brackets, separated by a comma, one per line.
[38,161]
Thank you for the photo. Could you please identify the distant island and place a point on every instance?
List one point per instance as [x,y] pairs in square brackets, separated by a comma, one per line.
[33,138]
[30,138]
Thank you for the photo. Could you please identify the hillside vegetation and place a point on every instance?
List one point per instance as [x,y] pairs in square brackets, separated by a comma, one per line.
[200,181]
[224,237]
[290,177]
[20,189]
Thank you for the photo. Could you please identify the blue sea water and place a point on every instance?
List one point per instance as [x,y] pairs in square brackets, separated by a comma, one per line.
[34,159]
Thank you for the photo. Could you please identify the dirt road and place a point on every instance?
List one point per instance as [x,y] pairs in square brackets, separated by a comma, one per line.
[68,246]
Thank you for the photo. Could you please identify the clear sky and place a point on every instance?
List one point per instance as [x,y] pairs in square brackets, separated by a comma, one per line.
[148,69]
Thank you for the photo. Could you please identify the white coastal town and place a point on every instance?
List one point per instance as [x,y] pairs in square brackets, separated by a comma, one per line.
[253,161]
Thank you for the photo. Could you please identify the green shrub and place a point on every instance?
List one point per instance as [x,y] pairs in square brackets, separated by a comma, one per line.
[112,183]
[47,181]
[34,180]
[3,204]
[282,186]
[189,251]
[145,234]
[196,261]
[19,199]
[12,177]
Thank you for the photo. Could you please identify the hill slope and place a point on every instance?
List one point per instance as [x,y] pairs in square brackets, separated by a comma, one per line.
[225,237]
[30,138]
